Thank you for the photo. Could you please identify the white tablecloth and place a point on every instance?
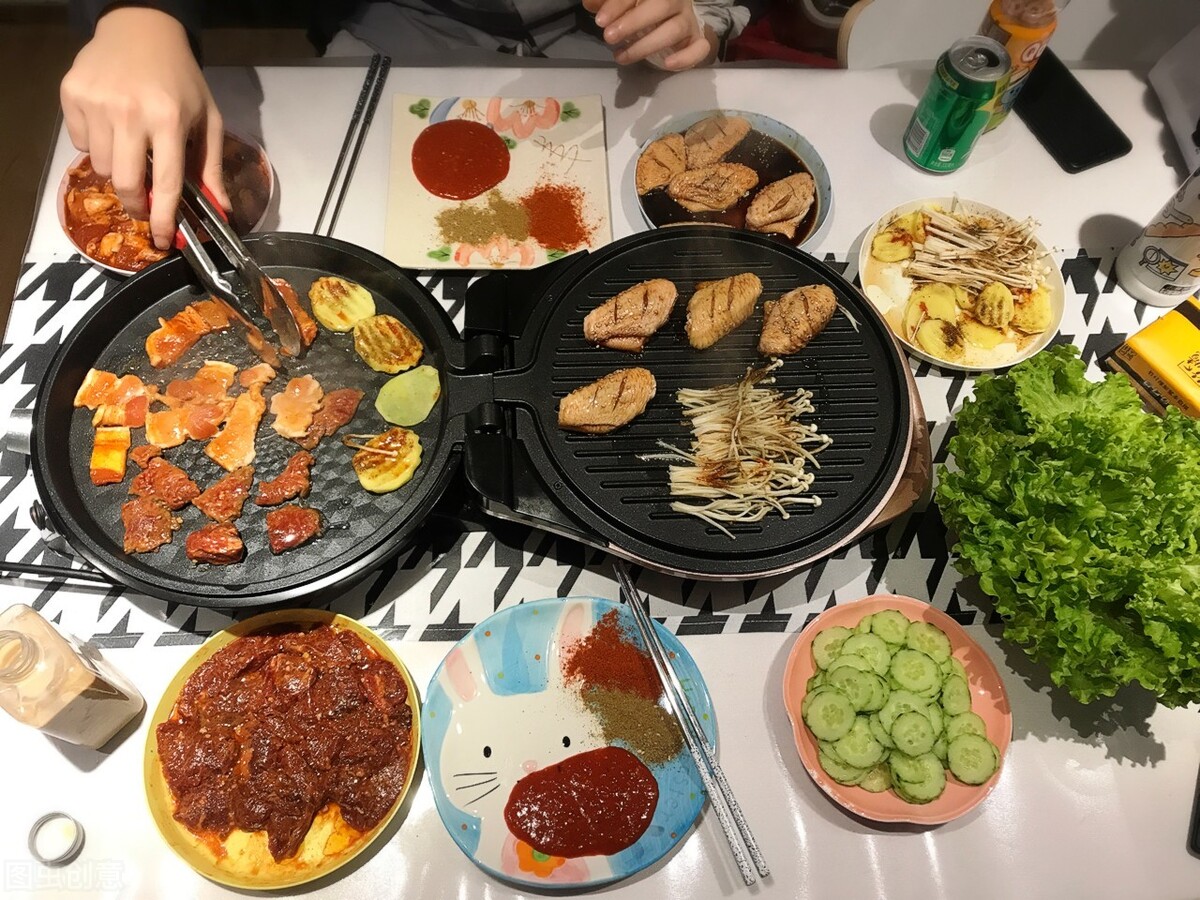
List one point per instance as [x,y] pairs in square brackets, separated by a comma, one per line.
[1089,805]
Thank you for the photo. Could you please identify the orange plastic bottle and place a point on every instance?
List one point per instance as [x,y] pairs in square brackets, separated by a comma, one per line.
[1024,27]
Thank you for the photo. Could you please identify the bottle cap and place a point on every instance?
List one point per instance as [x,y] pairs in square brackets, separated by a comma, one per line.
[55,839]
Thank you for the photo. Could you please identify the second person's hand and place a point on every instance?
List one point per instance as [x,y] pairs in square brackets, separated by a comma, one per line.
[643,28]
[136,87]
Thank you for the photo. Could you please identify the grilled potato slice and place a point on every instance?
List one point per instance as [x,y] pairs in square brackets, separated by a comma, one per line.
[387,461]
[914,224]
[994,305]
[1033,315]
[340,304]
[941,339]
[409,397]
[964,298]
[386,345]
[979,335]
[892,245]
[929,301]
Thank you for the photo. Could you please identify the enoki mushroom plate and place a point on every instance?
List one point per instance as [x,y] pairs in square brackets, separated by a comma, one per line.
[968,343]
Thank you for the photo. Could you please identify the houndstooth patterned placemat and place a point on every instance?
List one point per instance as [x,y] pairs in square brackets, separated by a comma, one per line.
[453,577]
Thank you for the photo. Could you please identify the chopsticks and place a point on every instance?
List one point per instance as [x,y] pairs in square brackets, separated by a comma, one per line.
[729,813]
[356,133]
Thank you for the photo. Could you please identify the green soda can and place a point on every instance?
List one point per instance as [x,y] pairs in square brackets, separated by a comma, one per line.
[957,104]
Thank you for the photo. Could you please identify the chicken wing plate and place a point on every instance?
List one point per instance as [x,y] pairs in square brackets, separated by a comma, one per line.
[779,207]
[605,405]
[627,320]
[797,317]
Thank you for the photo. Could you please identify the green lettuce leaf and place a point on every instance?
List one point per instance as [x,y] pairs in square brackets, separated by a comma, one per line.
[1080,514]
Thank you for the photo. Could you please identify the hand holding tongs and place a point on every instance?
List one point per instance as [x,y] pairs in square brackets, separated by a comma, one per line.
[264,294]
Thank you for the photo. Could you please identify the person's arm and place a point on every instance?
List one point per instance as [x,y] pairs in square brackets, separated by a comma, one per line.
[136,87]
[683,33]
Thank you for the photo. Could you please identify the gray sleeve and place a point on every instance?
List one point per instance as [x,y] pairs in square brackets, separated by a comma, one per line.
[726,18]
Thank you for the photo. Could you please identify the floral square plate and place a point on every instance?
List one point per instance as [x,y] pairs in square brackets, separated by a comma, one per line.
[496,182]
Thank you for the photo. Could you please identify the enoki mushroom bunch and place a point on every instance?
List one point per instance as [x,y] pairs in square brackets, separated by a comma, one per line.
[976,250]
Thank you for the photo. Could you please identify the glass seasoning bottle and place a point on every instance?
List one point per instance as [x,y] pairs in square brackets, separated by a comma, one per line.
[58,686]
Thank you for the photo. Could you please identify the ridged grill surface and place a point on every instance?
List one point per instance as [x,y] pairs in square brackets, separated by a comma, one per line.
[860,400]
[357,524]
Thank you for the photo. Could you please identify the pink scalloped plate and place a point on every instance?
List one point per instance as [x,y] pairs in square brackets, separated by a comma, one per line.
[988,699]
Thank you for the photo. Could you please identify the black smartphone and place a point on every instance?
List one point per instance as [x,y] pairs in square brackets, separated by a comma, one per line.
[1066,119]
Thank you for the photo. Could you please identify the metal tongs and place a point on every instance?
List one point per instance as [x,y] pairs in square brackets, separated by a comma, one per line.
[257,292]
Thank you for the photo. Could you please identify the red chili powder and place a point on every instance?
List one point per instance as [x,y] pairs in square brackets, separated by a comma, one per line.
[556,216]
[606,658]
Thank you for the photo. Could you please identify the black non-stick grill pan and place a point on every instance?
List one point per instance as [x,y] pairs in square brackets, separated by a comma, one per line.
[361,529]
[605,482]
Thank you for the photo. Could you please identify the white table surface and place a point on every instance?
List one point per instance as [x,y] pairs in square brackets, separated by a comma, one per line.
[1082,810]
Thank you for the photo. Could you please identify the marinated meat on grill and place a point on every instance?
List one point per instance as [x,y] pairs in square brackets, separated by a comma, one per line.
[605,405]
[712,188]
[661,161]
[718,307]
[166,482]
[143,454]
[295,405]
[107,463]
[290,526]
[292,482]
[223,500]
[234,446]
[210,384]
[336,410]
[779,207]
[148,524]
[797,317]
[95,388]
[628,319]
[260,375]
[176,335]
[217,543]
[710,139]
[308,327]
[125,402]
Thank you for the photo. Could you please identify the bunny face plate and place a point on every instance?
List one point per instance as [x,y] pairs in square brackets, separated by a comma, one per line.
[499,708]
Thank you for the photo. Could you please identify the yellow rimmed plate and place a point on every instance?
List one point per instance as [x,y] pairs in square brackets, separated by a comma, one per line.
[246,861]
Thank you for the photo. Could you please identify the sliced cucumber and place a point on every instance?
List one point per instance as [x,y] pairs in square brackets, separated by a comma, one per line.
[864,625]
[858,686]
[827,644]
[878,732]
[956,696]
[849,659]
[900,702]
[891,625]
[912,733]
[859,748]
[906,768]
[928,788]
[839,771]
[967,723]
[913,671]
[872,648]
[810,696]
[929,639]
[878,780]
[952,666]
[830,716]
[879,695]
[815,682]
[972,759]
[940,748]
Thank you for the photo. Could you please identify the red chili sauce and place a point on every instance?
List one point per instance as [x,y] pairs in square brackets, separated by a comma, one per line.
[459,159]
[591,804]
